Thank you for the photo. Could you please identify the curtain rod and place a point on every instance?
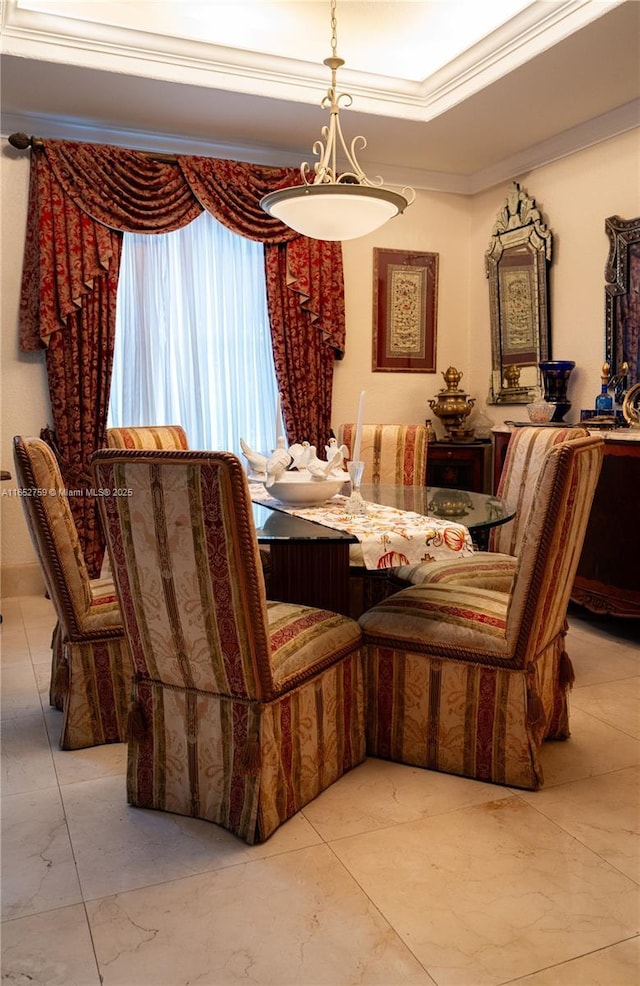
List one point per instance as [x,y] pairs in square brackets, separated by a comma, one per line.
[21,142]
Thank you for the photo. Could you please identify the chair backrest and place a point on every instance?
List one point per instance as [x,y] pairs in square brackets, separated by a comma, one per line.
[187,569]
[53,532]
[552,544]
[525,456]
[148,436]
[391,453]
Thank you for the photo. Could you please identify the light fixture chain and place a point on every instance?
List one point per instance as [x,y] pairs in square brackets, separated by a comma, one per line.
[367,203]
[334,29]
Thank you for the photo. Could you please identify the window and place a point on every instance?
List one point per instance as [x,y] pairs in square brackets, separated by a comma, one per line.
[193,345]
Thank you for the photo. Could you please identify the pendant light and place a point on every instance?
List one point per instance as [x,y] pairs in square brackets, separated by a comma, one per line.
[328,205]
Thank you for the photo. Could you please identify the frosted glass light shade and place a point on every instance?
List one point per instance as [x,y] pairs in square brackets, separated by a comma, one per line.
[333,211]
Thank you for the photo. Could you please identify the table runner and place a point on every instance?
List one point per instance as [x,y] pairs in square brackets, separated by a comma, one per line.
[388,536]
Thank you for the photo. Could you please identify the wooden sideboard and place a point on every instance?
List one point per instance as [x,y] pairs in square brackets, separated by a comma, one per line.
[608,577]
[460,466]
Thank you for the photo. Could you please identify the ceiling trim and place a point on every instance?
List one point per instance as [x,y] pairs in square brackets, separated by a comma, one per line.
[604,127]
[578,138]
[68,40]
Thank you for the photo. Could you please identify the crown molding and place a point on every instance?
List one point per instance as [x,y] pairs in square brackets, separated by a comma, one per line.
[612,124]
[621,120]
[70,40]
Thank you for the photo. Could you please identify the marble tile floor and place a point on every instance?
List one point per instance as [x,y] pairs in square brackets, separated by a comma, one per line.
[393,876]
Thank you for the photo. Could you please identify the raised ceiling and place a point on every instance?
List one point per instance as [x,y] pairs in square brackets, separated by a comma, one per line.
[446,99]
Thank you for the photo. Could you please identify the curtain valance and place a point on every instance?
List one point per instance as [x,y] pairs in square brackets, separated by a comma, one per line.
[124,190]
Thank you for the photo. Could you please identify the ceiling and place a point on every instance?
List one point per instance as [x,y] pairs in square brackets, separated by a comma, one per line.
[447,100]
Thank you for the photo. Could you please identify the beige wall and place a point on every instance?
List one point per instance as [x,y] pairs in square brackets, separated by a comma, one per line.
[24,402]
[575,195]
[434,223]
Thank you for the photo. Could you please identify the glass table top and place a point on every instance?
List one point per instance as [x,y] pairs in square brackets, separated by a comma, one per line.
[477,511]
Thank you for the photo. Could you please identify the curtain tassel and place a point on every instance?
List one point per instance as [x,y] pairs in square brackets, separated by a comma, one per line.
[61,679]
[566,674]
[136,723]
[536,711]
[251,757]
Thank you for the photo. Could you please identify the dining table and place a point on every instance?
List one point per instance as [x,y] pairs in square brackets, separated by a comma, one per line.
[310,561]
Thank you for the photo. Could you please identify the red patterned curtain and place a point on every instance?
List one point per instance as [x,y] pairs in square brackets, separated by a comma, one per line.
[82,197]
[299,279]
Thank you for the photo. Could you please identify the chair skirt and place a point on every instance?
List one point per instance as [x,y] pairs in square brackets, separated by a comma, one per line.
[92,684]
[476,720]
[279,754]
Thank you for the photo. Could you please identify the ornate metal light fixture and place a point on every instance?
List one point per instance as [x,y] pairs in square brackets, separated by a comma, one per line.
[334,206]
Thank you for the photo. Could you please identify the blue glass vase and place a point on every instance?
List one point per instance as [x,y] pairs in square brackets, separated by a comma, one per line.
[555,377]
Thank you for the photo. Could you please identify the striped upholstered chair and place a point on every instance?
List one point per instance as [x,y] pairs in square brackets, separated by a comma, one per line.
[148,436]
[160,437]
[495,568]
[244,710]
[394,454]
[91,667]
[391,453]
[469,680]
[140,437]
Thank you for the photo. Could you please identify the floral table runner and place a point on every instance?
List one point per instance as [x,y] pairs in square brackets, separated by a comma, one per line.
[388,537]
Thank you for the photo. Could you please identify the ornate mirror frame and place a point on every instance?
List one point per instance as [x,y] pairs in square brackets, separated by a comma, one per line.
[517,267]
[622,301]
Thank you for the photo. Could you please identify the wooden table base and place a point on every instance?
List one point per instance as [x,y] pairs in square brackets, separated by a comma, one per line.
[312,573]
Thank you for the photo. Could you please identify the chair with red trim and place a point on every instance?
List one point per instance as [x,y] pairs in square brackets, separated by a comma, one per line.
[148,436]
[395,454]
[91,667]
[470,680]
[243,709]
[391,453]
[495,568]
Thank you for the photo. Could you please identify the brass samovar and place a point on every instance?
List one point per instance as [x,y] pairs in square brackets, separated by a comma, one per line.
[452,406]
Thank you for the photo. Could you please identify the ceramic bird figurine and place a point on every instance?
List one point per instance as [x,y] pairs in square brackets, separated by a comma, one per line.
[333,447]
[301,454]
[277,462]
[323,470]
[257,462]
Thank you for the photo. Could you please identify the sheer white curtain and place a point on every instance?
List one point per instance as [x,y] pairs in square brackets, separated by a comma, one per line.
[193,345]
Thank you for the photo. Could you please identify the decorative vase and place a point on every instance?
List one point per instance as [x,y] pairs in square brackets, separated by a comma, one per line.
[555,377]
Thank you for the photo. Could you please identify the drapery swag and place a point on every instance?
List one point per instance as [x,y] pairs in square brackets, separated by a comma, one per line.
[82,198]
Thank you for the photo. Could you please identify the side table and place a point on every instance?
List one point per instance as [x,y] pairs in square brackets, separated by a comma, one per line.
[460,465]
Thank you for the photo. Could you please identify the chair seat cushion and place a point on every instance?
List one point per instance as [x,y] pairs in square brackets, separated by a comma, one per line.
[304,640]
[356,556]
[486,570]
[104,610]
[103,592]
[441,619]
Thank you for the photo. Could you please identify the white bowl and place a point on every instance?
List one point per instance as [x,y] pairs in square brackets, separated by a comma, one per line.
[301,490]
[540,412]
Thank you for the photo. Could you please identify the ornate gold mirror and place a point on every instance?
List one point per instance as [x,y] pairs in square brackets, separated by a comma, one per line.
[622,301]
[517,265]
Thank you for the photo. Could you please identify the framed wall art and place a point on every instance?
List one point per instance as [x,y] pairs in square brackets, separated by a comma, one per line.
[405,303]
